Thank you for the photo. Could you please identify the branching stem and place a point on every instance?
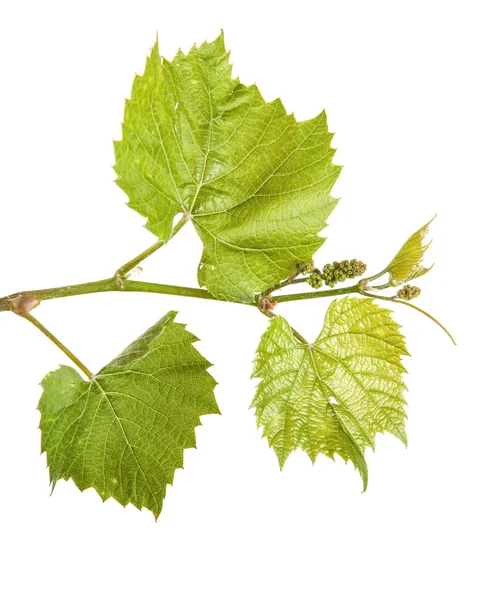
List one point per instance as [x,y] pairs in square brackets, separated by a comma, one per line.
[286,282]
[112,284]
[109,285]
[353,289]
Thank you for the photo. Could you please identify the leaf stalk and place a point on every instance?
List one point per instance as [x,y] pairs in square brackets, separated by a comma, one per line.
[59,344]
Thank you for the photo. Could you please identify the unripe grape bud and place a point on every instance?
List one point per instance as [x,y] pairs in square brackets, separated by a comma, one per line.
[315,279]
[408,292]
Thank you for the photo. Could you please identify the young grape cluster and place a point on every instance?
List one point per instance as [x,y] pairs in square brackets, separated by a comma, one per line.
[337,272]
[408,292]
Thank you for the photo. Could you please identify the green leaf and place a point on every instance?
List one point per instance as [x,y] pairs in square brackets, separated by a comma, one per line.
[334,395]
[124,432]
[254,182]
[407,264]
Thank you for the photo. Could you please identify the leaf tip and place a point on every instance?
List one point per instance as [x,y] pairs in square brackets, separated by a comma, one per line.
[281,461]
[53,485]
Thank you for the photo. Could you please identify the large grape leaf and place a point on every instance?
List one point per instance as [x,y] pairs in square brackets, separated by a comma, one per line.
[124,432]
[334,395]
[254,182]
[408,262]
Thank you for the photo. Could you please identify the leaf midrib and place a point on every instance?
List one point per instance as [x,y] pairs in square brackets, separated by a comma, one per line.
[128,444]
[337,396]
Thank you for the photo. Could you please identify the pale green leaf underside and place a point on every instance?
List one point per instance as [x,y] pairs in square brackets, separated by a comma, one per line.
[124,433]
[407,264]
[254,182]
[332,396]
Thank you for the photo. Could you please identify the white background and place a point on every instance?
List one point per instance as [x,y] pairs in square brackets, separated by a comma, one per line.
[402,83]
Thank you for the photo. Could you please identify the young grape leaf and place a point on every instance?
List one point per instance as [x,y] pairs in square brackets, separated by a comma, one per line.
[254,182]
[124,432]
[407,264]
[334,395]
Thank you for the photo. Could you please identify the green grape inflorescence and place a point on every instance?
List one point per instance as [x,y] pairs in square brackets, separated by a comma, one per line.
[315,279]
[337,272]
[408,292]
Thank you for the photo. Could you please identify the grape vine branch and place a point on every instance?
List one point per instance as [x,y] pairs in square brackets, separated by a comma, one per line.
[120,282]
[255,184]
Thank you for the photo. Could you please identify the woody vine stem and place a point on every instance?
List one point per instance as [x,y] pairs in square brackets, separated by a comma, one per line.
[22,303]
